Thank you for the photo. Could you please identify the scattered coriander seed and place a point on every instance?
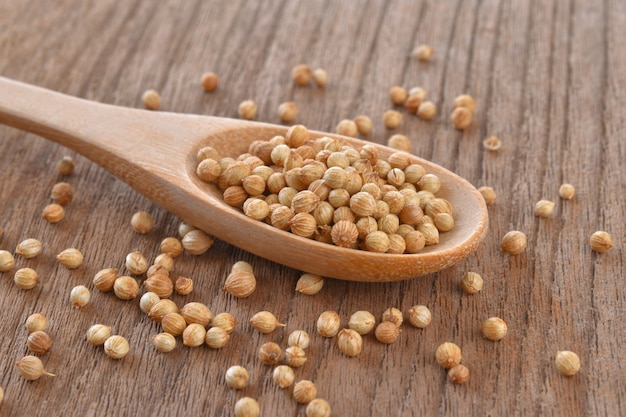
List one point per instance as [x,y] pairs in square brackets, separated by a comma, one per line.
[171,246]
[304,391]
[62,193]
[492,143]
[423,52]
[420,316]
[471,282]
[142,222]
[465,100]
[459,374]
[448,355]
[29,248]
[320,77]
[240,283]
[270,353]
[601,241]
[116,347]
[398,95]
[70,258]
[194,335]
[350,342]
[488,194]
[265,322]
[567,191]
[247,110]
[80,296]
[136,263]
[164,342]
[295,356]
[426,110]
[164,260]
[105,279]
[247,407]
[514,242]
[347,127]
[183,285]
[400,142]
[287,112]
[237,377]
[363,322]
[318,407]
[328,323]
[301,74]
[196,242]
[36,322]
[309,284]
[544,208]
[161,308]
[209,81]
[53,213]
[216,338]
[363,124]
[413,102]
[25,278]
[225,321]
[494,328]
[392,119]
[31,368]
[159,283]
[173,323]
[461,118]
[299,338]
[185,228]
[567,363]
[242,266]
[196,312]
[7,262]
[98,334]
[393,315]
[386,332]
[66,165]
[125,287]
[151,99]
[283,376]
[148,300]
[39,342]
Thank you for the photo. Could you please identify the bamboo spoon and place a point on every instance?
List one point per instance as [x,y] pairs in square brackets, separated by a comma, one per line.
[154,153]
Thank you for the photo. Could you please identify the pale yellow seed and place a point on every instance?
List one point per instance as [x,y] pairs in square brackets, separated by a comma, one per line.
[25,278]
[70,258]
[270,353]
[567,362]
[247,407]
[136,263]
[62,193]
[363,124]
[196,242]
[318,407]
[567,191]
[98,334]
[423,52]
[398,95]
[183,285]
[36,322]
[225,321]
[544,208]
[240,283]
[363,322]
[492,143]
[7,262]
[347,127]
[265,322]
[320,77]
[116,347]
[514,242]
[148,300]
[164,342]
[392,119]
[461,118]
[283,376]
[304,391]
[151,99]
[142,222]
[194,335]
[196,312]
[209,81]
[420,316]
[427,110]
[125,287]
[39,342]
[494,328]
[488,194]
[471,282]
[448,355]
[301,74]
[601,241]
[287,112]
[393,315]
[80,296]
[31,368]
[216,338]
[237,377]
[247,110]
[466,101]
[309,284]
[328,323]
[400,142]
[386,332]
[295,356]
[459,374]
[53,213]
[299,338]
[66,165]
[29,248]
[350,342]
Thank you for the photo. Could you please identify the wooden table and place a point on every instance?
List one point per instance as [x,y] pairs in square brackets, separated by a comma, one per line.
[549,80]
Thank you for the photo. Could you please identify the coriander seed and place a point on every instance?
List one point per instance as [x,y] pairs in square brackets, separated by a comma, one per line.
[105,279]
[283,376]
[301,74]
[567,363]
[7,262]
[240,283]
[471,282]
[31,368]
[80,296]
[194,335]
[398,95]
[426,110]
[25,278]
[400,142]
[39,342]
[265,322]
[488,194]
[350,342]
[53,213]
[363,124]
[295,356]
[62,193]
[362,322]
[209,81]
[492,143]
[142,222]
[328,323]
[514,242]
[151,99]
[309,284]
[420,316]
[387,332]
[304,391]
[461,118]
[466,101]
[164,260]
[567,191]
[423,52]
[160,284]
[136,263]
[35,322]
[247,110]
[70,258]
[171,246]
[173,323]
[225,321]
[208,170]
[247,407]
[183,285]
[448,355]
[287,112]
[458,374]
[318,407]
[393,315]
[98,334]
[237,377]
[196,242]
[66,165]
[116,347]
[148,300]
[196,312]
[320,77]
[29,248]
[347,127]
[161,308]
[164,342]
[216,338]
[270,353]
[494,328]
[544,208]
[298,338]
[392,119]
[125,287]
[601,241]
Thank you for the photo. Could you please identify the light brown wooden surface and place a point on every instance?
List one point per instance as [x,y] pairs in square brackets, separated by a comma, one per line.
[549,79]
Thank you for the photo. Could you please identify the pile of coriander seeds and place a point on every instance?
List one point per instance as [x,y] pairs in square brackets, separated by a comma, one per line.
[327,190]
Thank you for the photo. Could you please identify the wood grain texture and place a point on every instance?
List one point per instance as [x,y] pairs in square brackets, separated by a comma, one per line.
[549,79]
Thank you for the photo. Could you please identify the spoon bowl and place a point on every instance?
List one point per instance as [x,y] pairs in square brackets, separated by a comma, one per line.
[155,153]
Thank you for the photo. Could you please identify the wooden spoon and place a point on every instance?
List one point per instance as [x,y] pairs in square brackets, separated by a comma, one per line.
[154,153]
